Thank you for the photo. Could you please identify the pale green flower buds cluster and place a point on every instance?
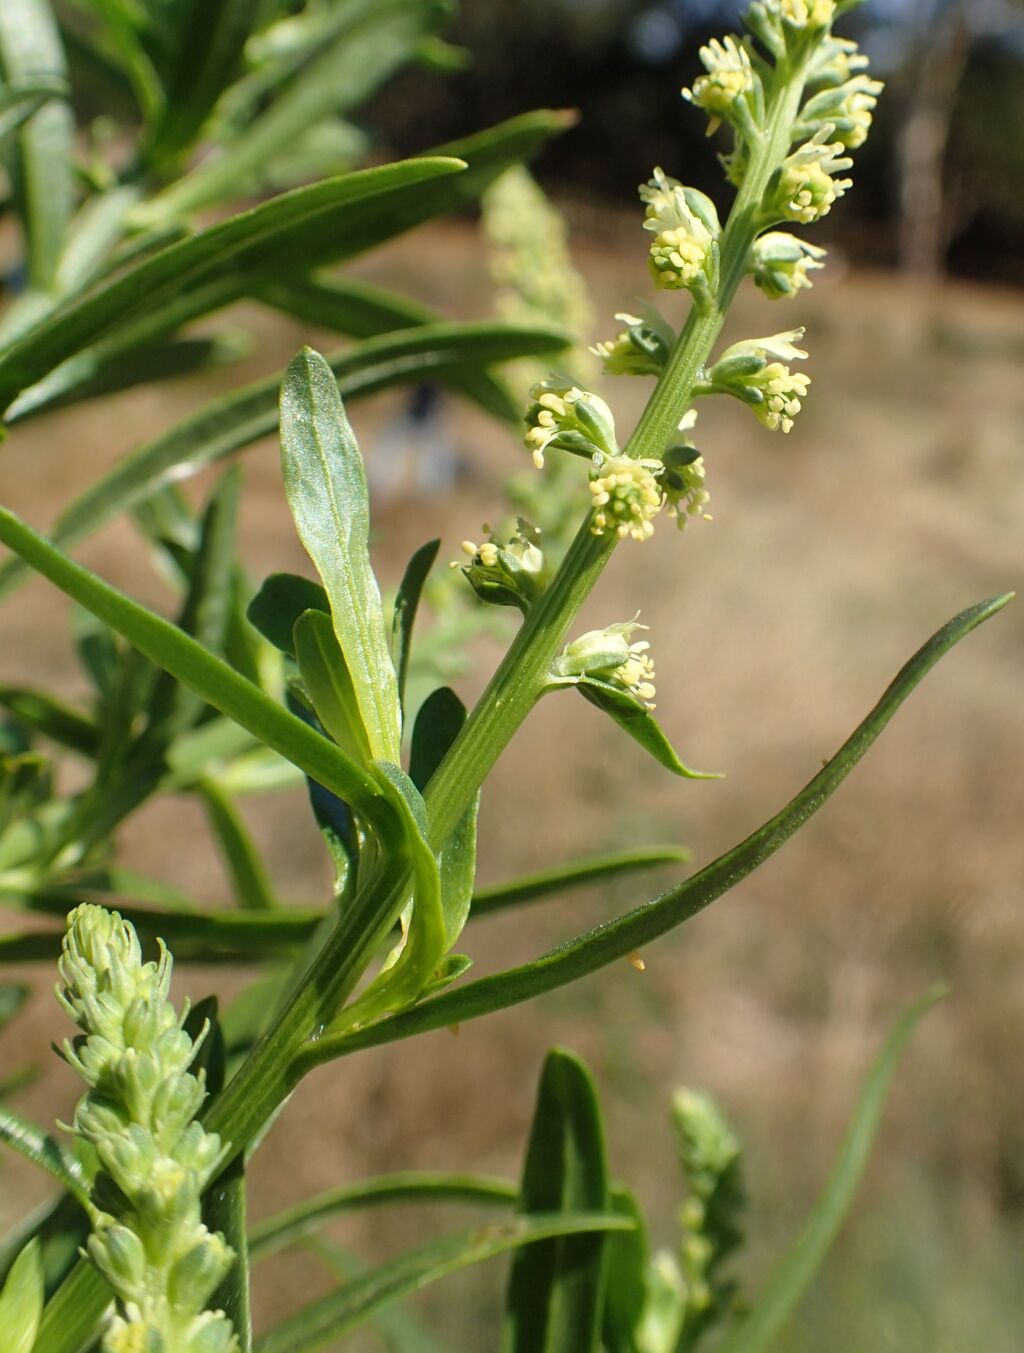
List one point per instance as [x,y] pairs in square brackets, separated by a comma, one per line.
[756,372]
[148,1239]
[710,1156]
[565,418]
[685,225]
[609,655]
[806,186]
[730,90]
[789,25]
[513,574]
[846,110]
[682,482]
[780,264]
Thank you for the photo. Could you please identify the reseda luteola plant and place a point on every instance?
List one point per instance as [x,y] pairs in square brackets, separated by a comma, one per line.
[795,99]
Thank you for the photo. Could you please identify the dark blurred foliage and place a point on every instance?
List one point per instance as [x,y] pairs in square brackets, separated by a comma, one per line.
[948,141]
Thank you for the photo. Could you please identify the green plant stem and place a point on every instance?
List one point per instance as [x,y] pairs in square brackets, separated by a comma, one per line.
[266,1076]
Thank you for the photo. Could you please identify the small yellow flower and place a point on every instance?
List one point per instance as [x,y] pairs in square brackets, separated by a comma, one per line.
[729,77]
[685,227]
[807,187]
[626,496]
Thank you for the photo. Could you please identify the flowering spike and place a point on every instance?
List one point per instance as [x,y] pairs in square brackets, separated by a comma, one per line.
[148,1239]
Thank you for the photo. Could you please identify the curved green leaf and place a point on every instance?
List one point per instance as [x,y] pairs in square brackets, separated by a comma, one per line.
[780,1295]
[282,599]
[579,874]
[224,1211]
[556,1290]
[412,1186]
[634,718]
[615,940]
[406,605]
[210,677]
[239,244]
[325,482]
[328,682]
[21,101]
[350,1305]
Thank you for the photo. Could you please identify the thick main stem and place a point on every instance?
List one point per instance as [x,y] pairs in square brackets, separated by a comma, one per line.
[248,1101]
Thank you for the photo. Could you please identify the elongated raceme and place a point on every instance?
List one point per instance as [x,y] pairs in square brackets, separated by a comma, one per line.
[154,1160]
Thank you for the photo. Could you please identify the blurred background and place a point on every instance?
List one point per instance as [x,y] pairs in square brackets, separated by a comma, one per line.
[834,553]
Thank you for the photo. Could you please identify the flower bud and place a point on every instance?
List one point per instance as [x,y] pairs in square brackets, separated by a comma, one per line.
[755,371]
[609,655]
[641,349]
[780,264]
[195,1274]
[805,187]
[729,77]
[626,496]
[507,575]
[848,109]
[566,418]
[120,1256]
[685,226]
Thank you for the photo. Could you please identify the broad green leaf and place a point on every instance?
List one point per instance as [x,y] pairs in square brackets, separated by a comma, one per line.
[372,39]
[232,247]
[407,603]
[438,724]
[51,717]
[634,718]
[556,1290]
[21,1301]
[361,310]
[411,1186]
[339,1312]
[615,940]
[328,682]
[784,1288]
[224,1210]
[211,40]
[277,606]
[20,102]
[578,874]
[30,47]
[238,420]
[325,482]
[210,677]
[244,865]
[412,964]
[42,1150]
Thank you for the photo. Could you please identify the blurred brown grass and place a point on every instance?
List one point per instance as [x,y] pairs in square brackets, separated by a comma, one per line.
[896,501]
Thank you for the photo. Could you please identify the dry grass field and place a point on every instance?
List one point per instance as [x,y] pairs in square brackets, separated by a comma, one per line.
[897,500]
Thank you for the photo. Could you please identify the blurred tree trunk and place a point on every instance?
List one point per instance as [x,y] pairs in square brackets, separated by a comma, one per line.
[922,145]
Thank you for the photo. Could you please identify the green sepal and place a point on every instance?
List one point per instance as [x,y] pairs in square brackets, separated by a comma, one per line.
[636,719]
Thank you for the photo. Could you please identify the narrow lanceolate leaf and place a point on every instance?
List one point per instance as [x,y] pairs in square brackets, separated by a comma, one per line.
[21,1301]
[241,243]
[224,1210]
[210,677]
[615,940]
[238,420]
[628,1255]
[636,719]
[413,1186]
[325,482]
[579,874]
[238,850]
[556,1291]
[406,605]
[779,1297]
[339,1312]
[42,1150]
[372,40]
[52,718]
[30,47]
